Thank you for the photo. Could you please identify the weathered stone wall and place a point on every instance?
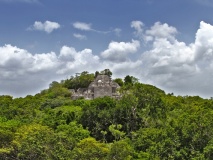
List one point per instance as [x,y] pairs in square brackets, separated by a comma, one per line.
[101,91]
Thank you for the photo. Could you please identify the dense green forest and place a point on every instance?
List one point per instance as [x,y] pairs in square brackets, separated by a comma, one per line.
[145,124]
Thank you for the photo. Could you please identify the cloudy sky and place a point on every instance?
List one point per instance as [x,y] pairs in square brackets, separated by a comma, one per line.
[167,43]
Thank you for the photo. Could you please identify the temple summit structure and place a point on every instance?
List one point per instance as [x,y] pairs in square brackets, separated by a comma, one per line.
[100,87]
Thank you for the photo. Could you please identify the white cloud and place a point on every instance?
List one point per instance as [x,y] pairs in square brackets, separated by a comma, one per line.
[204,41]
[47,26]
[79,36]
[122,69]
[159,30]
[44,62]
[77,61]
[22,72]
[25,73]
[138,26]
[88,27]
[177,67]
[170,64]
[82,26]
[118,51]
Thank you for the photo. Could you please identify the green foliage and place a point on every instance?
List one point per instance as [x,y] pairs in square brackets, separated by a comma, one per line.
[55,90]
[144,124]
[114,129]
[80,81]
[5,102]
[208,150]
[127,114]
[106,72]
[159,143]
[70,134]
[119,81]
[7,128]
[74,130]
[130,80]
[121,150]
[98,116]
[34,142]
[61,116]
[54,103]
[90,149]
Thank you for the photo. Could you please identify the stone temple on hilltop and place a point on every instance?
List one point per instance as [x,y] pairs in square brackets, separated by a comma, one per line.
[100,87]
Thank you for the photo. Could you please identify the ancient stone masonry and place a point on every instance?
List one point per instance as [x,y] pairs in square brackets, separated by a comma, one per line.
[100,87]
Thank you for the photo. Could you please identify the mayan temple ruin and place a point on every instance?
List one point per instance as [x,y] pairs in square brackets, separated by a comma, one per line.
[100,87]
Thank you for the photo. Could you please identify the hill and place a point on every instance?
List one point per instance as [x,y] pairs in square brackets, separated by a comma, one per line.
[145,123]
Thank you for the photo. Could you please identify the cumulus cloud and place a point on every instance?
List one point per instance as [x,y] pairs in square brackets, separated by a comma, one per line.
[20,70]
[159,30]
[79,36]
[47,26]
[203,42]
[177,67]
[77,61]
[25,73]
[122,69]
[156,31]
[118,51]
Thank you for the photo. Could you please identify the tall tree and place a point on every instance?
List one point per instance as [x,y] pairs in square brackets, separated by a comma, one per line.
[106,72]
[130,80]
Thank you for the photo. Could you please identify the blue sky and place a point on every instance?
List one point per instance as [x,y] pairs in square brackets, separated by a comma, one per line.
[167,43]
